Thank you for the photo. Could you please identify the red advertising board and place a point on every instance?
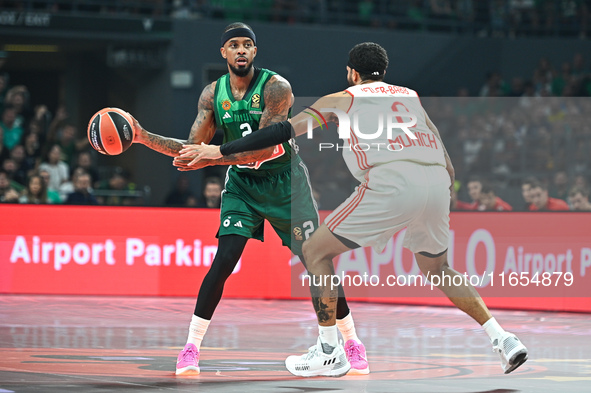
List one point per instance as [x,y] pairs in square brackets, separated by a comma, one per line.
[128,251]
[536,261]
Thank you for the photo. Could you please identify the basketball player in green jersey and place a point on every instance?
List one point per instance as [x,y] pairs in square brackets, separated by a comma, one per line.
[258,184]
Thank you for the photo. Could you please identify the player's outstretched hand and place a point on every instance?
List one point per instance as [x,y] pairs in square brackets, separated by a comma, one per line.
[200,152]
[192,157]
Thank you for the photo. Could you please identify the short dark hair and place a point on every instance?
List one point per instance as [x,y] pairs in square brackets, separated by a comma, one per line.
[530,181]
[213,180]
[539,184]
[237,25]
[472,179]
[370,58]
[487,188]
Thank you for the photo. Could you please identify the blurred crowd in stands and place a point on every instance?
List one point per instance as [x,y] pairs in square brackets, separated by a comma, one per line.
[527,132]
[45,158]
[482,17]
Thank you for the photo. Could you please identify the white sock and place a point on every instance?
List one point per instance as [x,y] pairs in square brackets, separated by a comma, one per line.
[328,337]
[347,328]
[197,330]
[493,329]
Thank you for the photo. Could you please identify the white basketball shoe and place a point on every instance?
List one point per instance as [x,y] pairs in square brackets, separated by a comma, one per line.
[317,363]
[511,351]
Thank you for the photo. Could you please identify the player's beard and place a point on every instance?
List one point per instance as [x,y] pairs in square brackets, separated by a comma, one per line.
[242,71]
[350,79]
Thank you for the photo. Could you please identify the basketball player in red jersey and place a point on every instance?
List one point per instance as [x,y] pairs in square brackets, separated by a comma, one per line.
[404,184]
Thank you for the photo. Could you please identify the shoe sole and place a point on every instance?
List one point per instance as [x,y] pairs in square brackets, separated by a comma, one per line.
[190,370]
[357,371]
[518,359]
[329,373]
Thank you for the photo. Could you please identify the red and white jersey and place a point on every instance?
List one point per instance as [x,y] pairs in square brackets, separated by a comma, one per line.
[375,110]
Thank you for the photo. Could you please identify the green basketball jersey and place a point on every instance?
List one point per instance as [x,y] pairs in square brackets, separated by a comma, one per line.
[241,117]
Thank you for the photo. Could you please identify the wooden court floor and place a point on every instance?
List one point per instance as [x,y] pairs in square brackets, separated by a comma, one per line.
[129,344]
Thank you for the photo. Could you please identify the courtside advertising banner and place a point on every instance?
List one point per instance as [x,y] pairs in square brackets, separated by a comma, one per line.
[127,251]
[515,260]
[535,260]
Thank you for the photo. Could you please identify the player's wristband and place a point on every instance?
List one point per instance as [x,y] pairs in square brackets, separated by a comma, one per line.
[265,137]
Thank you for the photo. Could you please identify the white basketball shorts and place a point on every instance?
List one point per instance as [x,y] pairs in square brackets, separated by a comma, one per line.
[396,195]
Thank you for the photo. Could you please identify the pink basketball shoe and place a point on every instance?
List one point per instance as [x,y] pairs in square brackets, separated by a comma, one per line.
[188,361]
[355,352]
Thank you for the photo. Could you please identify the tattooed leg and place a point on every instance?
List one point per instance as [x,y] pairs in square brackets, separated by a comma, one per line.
[319,251]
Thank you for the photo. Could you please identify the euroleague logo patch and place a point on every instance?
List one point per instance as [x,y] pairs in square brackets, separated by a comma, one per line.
[256,101]
[297,233]
[226,105]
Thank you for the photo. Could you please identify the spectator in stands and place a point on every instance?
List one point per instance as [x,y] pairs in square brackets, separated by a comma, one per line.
[118,190]
[84,161]
[517,87]
[12,127]
[52,195]
[69,186]
[579,199]
[18,98]
[366,13]
[82,192]
[7,193]
[36,191]
[11,169]
[474,187]
[180,193]
[580,181]
[22,169]
[457,205]
[526,191]
[58,170]
[212,193]
[489,201]
[40,124]
[32,153]
[70,144]
[499,17]
[579,70]
[559,187]
[562,79]
[494,86]
[56,124]
[541,200]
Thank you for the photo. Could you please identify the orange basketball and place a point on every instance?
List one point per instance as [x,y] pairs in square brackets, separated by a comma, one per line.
[110,131]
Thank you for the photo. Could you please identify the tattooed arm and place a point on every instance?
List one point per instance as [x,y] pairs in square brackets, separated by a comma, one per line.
[278,99]
[202,130]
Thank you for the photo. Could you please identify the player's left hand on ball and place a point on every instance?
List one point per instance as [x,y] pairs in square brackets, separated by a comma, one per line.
[200,152]
[137,129]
